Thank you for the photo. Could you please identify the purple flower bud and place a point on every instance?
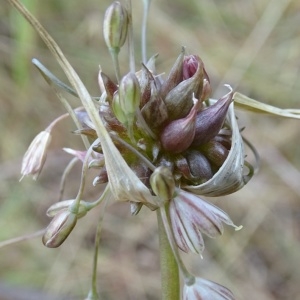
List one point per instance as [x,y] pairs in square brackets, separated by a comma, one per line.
[59,228]
[35,156]
[215,152]
[225,140]
[190,66]
[210,120]
[155,112]
[199,166]
[146,81]
[179,100]
[202,289]
[175,76]
[190,216]
[107,85]
[178,135]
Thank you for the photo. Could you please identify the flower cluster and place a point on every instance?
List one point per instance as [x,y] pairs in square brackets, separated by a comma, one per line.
[164,142]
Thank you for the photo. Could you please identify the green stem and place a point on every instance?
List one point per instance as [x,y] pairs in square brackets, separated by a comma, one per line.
[169,269]
[93,293]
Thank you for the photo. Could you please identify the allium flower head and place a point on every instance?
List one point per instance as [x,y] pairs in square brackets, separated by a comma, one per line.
[156,142]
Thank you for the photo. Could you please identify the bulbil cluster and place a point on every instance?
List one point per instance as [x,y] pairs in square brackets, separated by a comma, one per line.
[170,122]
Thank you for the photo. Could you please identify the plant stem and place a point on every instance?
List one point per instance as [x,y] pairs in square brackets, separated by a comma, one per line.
[168,265]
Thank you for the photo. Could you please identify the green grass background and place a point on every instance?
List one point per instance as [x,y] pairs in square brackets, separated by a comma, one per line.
[252,45]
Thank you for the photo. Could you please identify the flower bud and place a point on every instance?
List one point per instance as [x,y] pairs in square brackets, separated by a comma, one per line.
[155,111]
[115,26]
[199,166]
[117,109]
[146,81]
[175,76]
[107,85]
[62,205]
[162,183]
[210,120]
[225,140]
[135,207]
[130,96]
[215,152]
[35,156]
[178,135]
[179,100]
[101,178]
[109,119]
[206,90]
[59,228]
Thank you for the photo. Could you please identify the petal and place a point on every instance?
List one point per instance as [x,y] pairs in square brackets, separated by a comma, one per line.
[203,289]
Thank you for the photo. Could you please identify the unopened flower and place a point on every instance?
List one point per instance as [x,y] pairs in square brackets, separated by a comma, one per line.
[209,121]
[57,207]
[35,156]
[203,289]
[178,135]
[191,216]
[130,97]
[115,26]
[59,228]
[162,183]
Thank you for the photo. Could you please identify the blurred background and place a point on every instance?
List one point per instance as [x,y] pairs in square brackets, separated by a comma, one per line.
[252,45]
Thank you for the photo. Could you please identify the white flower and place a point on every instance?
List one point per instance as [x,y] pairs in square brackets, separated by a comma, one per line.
[191,216]
[203,289]
[35,156]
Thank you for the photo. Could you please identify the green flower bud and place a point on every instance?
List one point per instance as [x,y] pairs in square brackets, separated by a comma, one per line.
[130,95]
[115,26]
[117,109]
[162,184]
[61,205]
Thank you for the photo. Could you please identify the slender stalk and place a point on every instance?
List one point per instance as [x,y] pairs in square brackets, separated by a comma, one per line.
[144,30]
[22,238]
[168,265]
[115,58]
[130,38]
[93,294]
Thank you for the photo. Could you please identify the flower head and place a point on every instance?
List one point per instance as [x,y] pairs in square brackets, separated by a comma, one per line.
[35,156]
